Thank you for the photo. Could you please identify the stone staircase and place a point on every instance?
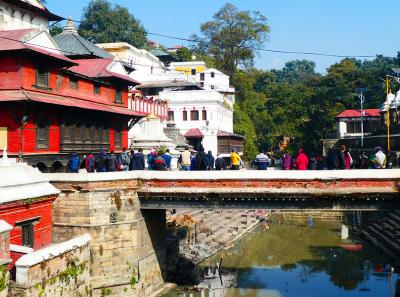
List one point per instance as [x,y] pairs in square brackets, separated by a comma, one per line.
[215,230]
[385,234]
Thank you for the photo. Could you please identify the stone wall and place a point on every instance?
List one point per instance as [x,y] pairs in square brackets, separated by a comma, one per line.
[59,270]
[5,259]
[123,258]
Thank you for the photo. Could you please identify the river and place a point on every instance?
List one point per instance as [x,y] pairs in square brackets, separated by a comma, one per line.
[299,259]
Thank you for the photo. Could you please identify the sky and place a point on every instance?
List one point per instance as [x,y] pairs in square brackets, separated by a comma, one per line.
[341,27]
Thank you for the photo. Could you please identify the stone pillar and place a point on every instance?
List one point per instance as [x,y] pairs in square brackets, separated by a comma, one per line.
[124,261]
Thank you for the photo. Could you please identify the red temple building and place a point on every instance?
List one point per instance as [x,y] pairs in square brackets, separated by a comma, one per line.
[54,101]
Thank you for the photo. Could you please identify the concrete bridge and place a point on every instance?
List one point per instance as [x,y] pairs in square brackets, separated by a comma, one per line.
[124,212]
[337,190]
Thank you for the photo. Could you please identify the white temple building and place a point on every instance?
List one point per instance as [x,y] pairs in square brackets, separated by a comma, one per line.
[200,99]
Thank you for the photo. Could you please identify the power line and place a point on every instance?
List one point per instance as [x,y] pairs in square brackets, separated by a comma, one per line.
[308,53]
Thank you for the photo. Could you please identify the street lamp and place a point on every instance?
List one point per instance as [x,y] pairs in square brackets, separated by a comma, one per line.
[360,95]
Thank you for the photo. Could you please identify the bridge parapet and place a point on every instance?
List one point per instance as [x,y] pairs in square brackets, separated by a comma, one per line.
[247,188]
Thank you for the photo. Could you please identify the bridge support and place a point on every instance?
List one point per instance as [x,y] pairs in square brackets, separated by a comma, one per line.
[125,256]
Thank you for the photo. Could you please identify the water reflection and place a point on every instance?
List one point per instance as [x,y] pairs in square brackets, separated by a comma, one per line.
[302,260]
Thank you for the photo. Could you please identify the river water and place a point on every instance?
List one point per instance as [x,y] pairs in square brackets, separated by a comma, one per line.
[299,259]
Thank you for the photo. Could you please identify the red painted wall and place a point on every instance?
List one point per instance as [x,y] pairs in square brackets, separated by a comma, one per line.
[18,211]
[17,73]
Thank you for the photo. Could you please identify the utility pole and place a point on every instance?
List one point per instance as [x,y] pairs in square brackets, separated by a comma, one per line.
[360,95]
[387,80]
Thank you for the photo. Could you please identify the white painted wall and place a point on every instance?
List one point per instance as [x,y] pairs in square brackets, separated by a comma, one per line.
[144,62]
[219,110]
[14,18]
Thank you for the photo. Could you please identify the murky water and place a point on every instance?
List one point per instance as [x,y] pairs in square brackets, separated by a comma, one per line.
[293,259]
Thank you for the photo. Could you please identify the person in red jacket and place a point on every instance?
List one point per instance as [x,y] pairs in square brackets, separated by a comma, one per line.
[301,160]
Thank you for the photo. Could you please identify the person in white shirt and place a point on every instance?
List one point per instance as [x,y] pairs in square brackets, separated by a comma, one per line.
[380,158]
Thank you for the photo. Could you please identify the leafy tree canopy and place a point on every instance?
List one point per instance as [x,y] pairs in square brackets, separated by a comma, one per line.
[102,22]
[233,37]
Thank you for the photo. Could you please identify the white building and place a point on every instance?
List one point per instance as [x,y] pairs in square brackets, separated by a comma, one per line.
[25,14]
[201,115]
[200,100]
[144,63]
[206,78]
[349,122]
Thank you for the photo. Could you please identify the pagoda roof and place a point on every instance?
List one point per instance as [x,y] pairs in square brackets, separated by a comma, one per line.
[74,45]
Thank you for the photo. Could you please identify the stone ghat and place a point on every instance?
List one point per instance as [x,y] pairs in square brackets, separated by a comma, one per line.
[213,230]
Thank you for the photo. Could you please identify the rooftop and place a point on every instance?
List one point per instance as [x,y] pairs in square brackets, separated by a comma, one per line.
[74,45]
[20,40]
[99,68]
[356,113]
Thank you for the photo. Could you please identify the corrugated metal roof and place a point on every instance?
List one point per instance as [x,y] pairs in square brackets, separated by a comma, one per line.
[98,68]
[356,113]
[74,45]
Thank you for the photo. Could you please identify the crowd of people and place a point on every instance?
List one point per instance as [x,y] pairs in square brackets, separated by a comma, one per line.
[335,160]
[191,160]
[160,160]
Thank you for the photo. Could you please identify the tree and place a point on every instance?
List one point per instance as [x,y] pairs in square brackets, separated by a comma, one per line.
[55,30]
[102,23]
[184,54]
[296,71]
[233,37]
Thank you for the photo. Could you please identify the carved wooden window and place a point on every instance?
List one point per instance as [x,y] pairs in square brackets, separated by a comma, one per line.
[78,133]
[73,83]
[105,135]
[97,134]
[42,76]
[96,89]
[184,115]
[68,133]
[118,95]
[42,133]
[118,137]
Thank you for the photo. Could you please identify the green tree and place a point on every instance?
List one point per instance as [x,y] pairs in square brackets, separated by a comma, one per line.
[55,30]
[102,22]
[184,54]
[233,37]
[295,71]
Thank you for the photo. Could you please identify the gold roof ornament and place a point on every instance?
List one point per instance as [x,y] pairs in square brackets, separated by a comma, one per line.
[70,27]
